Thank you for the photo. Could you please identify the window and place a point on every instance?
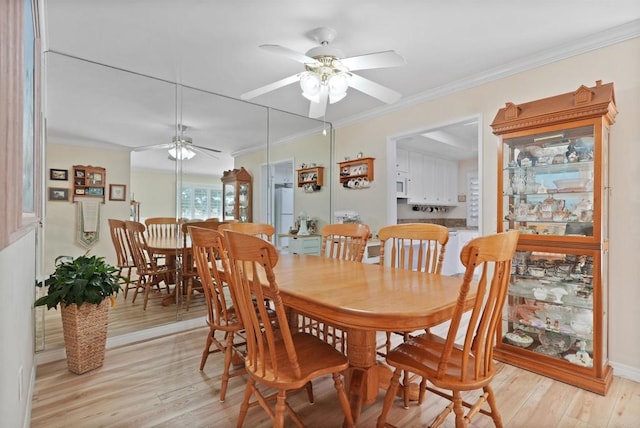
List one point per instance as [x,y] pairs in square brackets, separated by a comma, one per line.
[20,147]
[201,201]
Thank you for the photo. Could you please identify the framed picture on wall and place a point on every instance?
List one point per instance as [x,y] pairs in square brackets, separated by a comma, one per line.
[117,192]
[58,194]
[59,174]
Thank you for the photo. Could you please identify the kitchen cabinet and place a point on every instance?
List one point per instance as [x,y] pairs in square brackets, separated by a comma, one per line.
[432,181]
[237,196]
[309,244]
[451,265]
[402,160]
[554,188]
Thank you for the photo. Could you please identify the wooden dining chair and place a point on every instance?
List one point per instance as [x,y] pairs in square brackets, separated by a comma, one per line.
[222,314]
[467,366]
[418,247]
[149,272]
[262,230]
[190,277]
[162,227]
[413,246]
[346,241]
[124,254]
[277,357]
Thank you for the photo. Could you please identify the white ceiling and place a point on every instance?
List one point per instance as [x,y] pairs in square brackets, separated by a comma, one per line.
[213,45]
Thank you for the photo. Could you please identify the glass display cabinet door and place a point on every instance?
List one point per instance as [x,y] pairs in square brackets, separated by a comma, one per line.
[548,183]
[550,309]
[229,194]
[243,202]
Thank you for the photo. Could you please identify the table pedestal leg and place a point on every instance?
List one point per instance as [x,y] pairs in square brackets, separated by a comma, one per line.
[362,377]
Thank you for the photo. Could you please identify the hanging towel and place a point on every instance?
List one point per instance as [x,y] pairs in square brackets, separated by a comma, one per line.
[90,210]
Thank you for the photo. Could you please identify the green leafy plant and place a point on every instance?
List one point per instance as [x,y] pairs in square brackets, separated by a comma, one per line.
[85,279]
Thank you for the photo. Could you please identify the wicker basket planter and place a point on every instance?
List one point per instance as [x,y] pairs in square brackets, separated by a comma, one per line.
[85,335]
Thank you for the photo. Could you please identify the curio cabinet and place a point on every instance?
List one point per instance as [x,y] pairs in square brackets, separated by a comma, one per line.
[553,187]
[236,196]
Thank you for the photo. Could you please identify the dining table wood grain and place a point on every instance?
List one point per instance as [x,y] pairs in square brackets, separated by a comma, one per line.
[364,299]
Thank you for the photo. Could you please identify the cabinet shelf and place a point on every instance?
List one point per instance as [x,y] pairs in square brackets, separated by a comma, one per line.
[89,181]
[553,179]
[357,173]
[311,179]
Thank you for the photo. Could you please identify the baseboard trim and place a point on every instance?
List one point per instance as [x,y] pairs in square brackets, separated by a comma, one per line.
[625,371]
[44,357]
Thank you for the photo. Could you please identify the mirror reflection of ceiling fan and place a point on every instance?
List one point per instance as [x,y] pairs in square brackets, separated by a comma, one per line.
[181,147]
[328,74]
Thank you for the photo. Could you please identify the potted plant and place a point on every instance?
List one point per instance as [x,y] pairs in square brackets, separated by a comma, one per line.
[83,287]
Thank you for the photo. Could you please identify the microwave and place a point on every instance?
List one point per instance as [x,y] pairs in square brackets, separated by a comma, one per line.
[401,185]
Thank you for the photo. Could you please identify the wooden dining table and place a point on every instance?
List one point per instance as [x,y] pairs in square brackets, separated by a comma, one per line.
[363,299]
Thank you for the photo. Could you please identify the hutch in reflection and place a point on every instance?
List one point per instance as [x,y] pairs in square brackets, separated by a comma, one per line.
[236,199]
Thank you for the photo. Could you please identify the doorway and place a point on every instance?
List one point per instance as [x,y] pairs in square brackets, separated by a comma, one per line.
[278,177]
[457,143]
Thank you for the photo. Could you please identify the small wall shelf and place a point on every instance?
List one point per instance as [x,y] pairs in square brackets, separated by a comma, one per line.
[88,181]
[311,178]
[358,171]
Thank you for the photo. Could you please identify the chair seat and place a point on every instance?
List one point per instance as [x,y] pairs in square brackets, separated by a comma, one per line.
[422,354]
[316,358]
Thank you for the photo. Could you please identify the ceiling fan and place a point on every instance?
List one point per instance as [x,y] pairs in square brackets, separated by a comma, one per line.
[328,74]
[181,147]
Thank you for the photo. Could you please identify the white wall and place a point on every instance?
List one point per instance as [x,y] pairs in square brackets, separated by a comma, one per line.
[17,364]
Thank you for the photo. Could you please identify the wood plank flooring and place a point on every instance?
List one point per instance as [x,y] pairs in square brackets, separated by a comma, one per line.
[157,384]
[125,317]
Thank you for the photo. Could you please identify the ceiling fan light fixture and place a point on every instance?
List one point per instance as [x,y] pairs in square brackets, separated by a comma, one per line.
[310,85]
[182,153]
[338,85]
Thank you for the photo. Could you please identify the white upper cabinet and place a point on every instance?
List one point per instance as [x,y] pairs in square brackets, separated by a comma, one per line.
[402,160]
[432,181]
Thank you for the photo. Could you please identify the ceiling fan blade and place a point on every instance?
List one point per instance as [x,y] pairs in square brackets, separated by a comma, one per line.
[206,151]
[318,109]
[207,148]
[270,87]
[289,53]
[373,60]
[153,147]
[374,89]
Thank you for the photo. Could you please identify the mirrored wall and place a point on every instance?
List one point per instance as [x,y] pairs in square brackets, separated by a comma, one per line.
[127,123]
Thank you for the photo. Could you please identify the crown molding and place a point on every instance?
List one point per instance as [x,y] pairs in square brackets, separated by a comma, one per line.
[590,43]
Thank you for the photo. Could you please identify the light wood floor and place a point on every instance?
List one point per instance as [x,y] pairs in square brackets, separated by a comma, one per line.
[158,384]
[125,317]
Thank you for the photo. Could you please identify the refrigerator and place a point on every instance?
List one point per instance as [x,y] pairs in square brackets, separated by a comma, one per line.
[283,214]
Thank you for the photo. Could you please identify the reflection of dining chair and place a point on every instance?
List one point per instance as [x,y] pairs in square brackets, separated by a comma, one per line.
[222,315]
[189,271]
[149,273]
[162,227]
[124,254]
[276,357]
[346,241]
[262,230]
[467,366]
[412,246]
